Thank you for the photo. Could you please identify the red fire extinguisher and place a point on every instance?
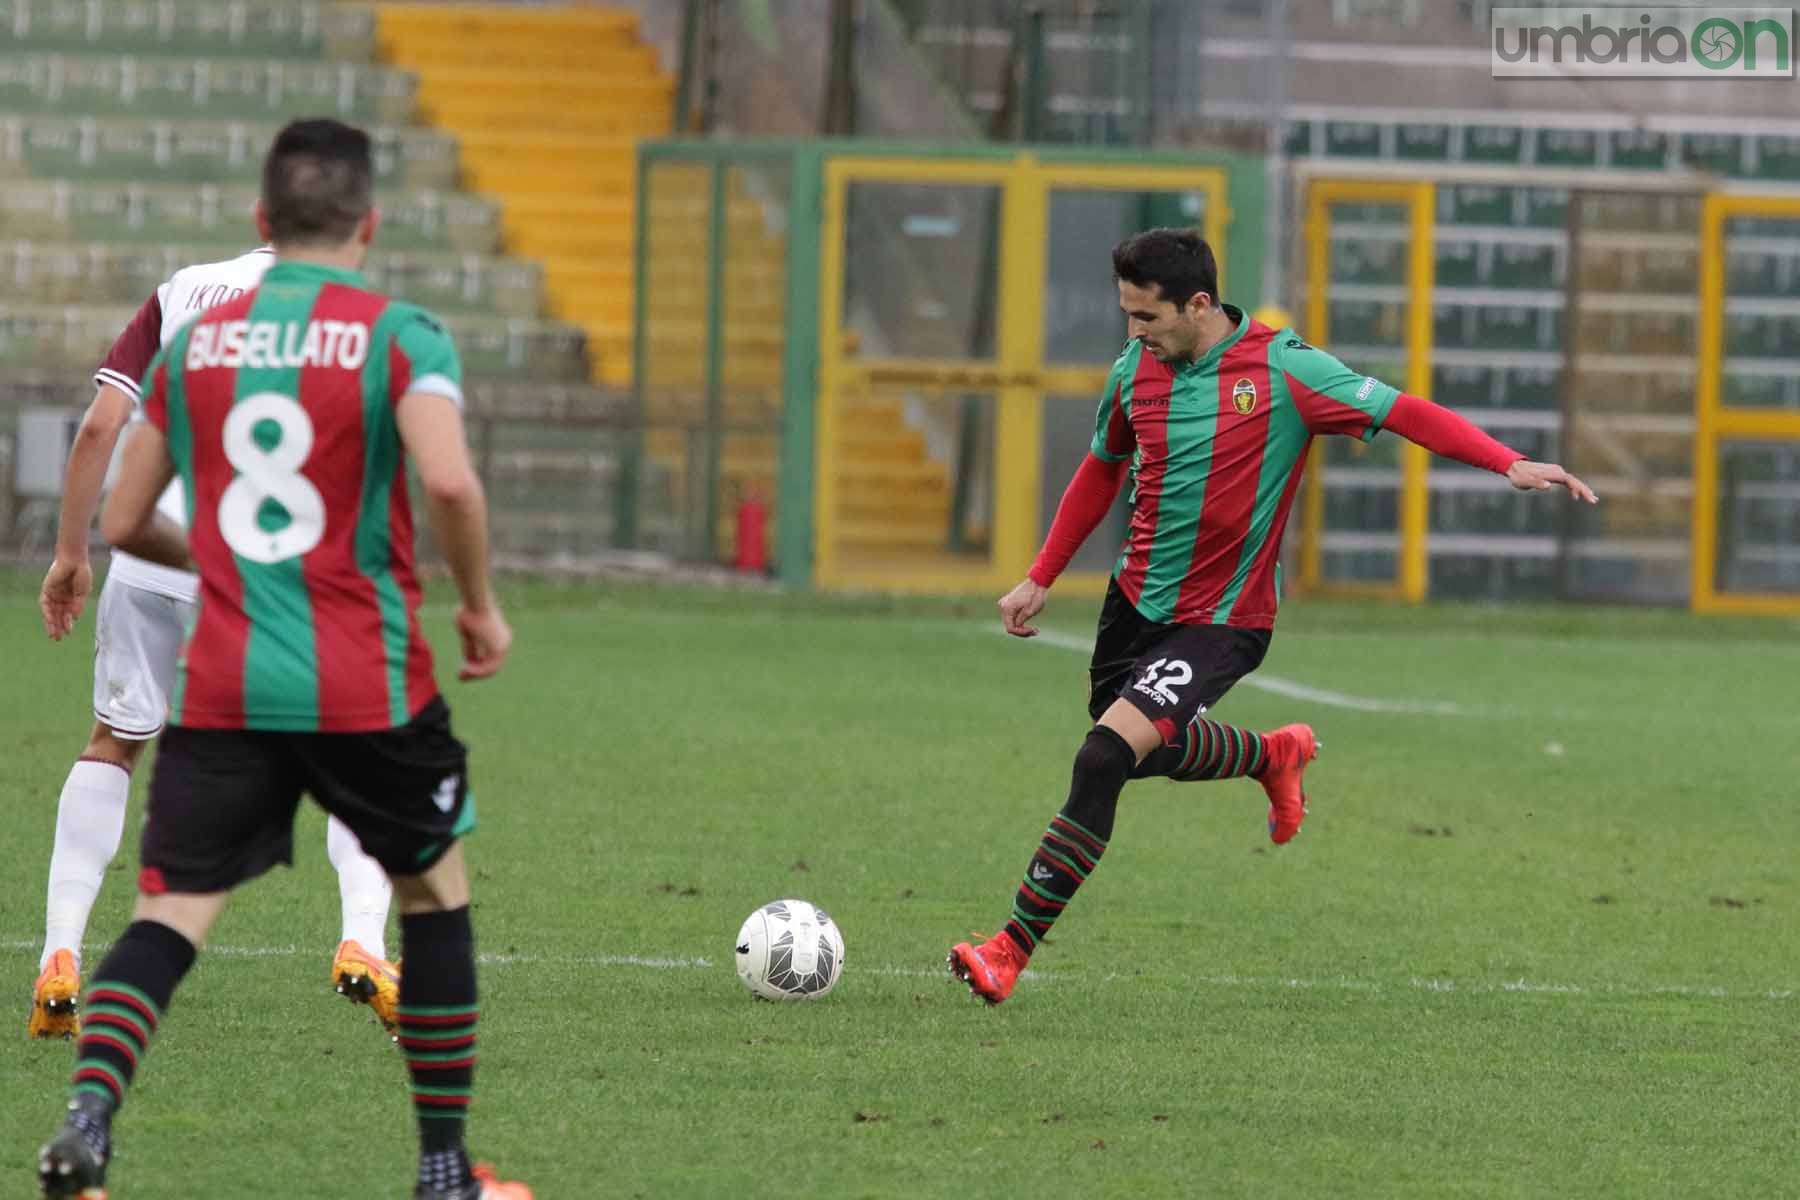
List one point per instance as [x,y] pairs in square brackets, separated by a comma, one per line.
[751,553]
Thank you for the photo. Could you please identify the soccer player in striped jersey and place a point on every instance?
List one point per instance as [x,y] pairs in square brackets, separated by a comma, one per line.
[1214,413]
[289,414]
[139,622]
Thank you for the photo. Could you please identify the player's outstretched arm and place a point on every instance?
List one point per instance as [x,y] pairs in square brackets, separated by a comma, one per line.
[431,426]
[70,578]
[1334,399]
[130,520]
[1452,435]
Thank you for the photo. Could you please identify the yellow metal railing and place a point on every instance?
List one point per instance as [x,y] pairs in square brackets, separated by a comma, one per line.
[1715,421]
[1017,375]
[1412,575]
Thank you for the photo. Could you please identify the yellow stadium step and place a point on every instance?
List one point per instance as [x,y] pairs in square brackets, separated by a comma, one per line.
[587,24]
[884,445]
[487,53]
[913,475]
[549,90]
[535,207]
[581,273]
[525,147]
[910,533]
[560,151]
[543,241]
[599,180]
[920,507]
[488,116]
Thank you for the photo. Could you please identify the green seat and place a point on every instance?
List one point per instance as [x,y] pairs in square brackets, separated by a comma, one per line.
[1472,204]
[125,273]
[48,336]
[195,152]
[1369,261]
[1753,273]
[1528,387]
[75,337]
[453,283]
[189,88]
[519,346]
[1463,387]
[293,29]
[1513,327]
[1458,262]
[1357,323]
[218,216]
[1523,266]
[530,414]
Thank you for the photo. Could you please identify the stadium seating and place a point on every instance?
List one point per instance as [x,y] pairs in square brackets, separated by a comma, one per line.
[130,138]
[547,105]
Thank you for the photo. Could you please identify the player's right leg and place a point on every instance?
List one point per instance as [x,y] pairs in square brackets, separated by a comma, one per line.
[360,970]
[137,637]
[1066,855]
[1071,846]
[221,812]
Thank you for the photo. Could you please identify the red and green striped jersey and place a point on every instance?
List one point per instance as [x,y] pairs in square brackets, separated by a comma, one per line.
[279,409]
[1217,449]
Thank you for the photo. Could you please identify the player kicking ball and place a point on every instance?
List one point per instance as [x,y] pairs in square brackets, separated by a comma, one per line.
[143,613]
[289,414]
[1214,412]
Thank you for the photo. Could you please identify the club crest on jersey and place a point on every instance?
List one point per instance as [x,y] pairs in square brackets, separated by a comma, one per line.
[1243,397]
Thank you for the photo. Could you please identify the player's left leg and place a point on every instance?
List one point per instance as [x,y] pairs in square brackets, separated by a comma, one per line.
[404,794]
[137,639]
[360,970]
[221,811]
[1210,660]
[1277,759]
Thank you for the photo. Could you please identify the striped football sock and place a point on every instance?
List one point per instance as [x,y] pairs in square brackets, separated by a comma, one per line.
[1214,751]
[437,1020]
[124,1005]
[1065,858]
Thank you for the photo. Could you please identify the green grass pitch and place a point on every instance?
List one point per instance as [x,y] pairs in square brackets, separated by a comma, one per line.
[1540,942]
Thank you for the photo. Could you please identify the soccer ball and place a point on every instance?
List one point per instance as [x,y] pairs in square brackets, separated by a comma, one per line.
[789,950]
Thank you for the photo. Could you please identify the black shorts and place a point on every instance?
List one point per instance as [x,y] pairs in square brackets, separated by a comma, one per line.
[1170,673]
[222,801]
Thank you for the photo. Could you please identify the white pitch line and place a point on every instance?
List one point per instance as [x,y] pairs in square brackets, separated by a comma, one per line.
[1465,987]
[1290,688]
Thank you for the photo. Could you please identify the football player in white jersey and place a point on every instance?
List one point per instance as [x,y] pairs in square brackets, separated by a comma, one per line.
[144,612]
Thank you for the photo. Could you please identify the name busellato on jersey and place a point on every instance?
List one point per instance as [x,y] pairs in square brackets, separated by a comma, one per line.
[278,344]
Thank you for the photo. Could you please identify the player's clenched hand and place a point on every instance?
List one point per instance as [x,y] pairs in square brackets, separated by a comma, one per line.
[1020,605]
[64,595]
[485,637]
[1530,476]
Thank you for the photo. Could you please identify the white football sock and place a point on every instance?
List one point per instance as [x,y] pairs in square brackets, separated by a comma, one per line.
[90,820]
[363,888]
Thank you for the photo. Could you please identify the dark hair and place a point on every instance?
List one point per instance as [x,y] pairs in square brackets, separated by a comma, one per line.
[1178,262]
[317,182]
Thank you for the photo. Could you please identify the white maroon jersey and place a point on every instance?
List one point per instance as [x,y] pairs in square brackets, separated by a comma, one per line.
[187,294]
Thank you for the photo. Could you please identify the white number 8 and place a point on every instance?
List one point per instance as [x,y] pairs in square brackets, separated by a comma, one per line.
[272,474]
